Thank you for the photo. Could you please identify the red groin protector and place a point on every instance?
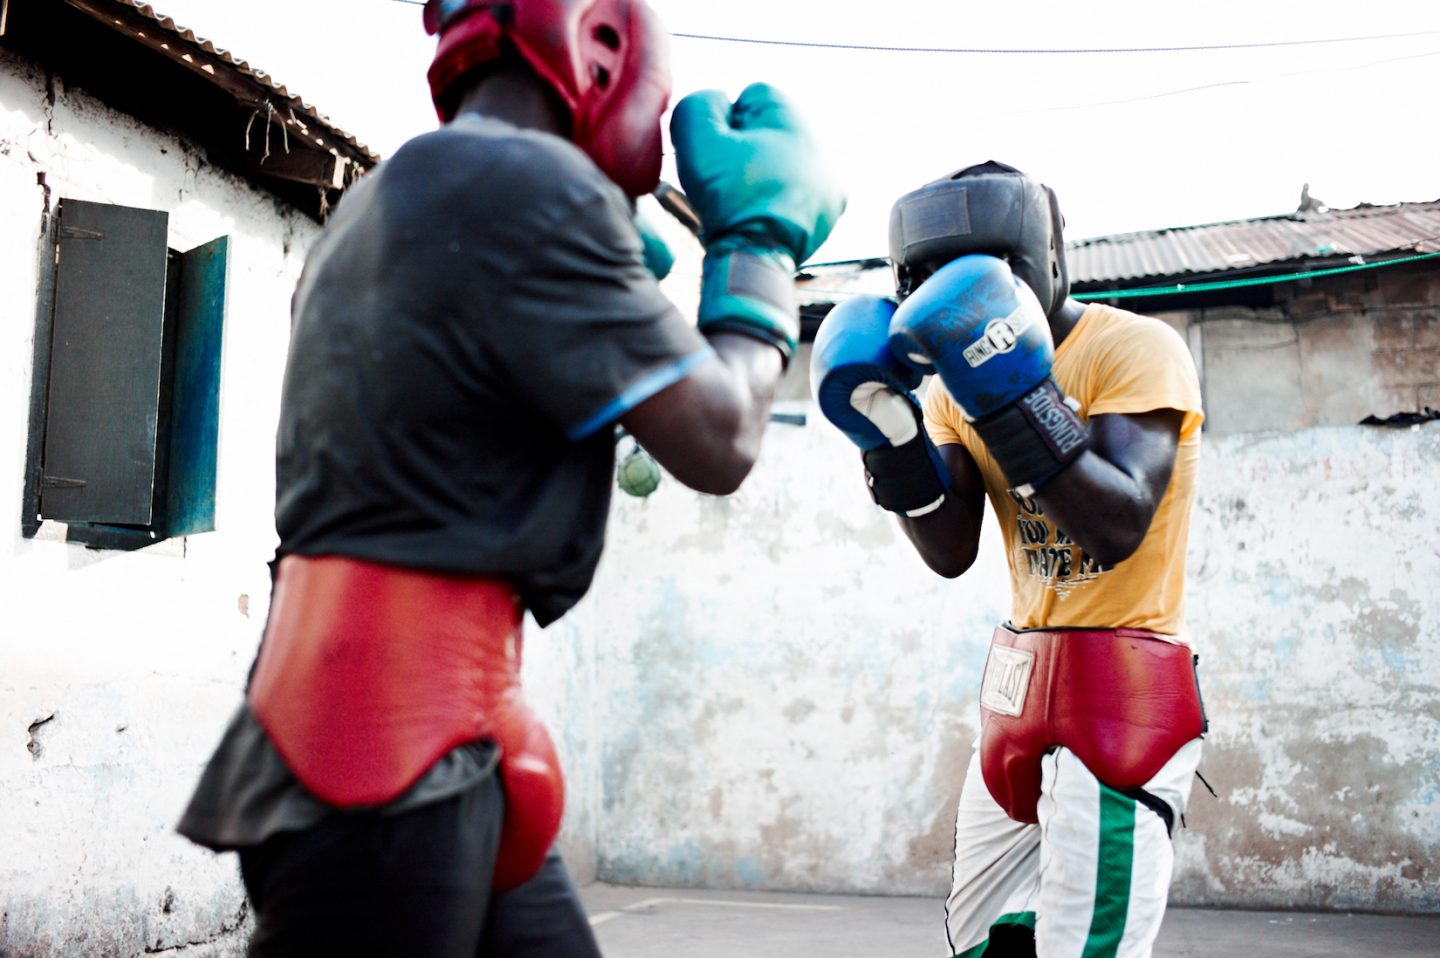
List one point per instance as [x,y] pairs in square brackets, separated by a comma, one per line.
[1123,700]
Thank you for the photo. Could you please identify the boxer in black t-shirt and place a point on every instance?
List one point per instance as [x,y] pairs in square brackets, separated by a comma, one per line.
[468,331]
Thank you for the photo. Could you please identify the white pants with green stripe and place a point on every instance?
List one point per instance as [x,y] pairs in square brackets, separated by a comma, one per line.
[1091,879]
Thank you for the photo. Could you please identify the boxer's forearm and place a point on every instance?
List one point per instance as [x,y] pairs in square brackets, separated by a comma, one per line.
[706,429]
[1106,499]
[948,539]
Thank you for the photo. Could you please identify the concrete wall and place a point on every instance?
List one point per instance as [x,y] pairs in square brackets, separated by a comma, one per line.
[788,697]
[787,693]
[1329,353]
[1315,592]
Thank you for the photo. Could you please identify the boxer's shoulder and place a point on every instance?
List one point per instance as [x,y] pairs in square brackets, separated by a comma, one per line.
[482,162]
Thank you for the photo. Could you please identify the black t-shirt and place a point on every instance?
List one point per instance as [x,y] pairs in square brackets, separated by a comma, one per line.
[466,332]
[473,321]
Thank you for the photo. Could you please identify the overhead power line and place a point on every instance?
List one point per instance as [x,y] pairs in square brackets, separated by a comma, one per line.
[1027,51]
[1247,81]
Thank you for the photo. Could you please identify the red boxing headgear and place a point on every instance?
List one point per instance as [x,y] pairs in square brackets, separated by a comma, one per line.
[607,59]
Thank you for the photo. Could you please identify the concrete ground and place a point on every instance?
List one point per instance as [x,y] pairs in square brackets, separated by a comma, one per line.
[666,922]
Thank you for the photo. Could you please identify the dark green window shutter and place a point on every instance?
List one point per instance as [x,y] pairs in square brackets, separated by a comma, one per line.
[106,358]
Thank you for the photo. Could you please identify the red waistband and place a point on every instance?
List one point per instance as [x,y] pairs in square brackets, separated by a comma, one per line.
[1090,633]
[369,673]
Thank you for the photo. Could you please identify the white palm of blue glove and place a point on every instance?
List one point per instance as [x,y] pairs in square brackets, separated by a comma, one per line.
[894,415]
[891,413]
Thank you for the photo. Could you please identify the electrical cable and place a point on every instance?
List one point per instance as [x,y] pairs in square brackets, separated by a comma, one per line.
[1219,84]
[1029,51]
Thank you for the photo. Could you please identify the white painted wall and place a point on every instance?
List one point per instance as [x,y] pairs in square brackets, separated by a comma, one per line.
[783,684]
[118,670]
[127,665]
[788,695]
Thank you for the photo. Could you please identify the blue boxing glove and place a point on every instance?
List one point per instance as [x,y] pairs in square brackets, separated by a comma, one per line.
[765,202]
[866,393]
[983,332]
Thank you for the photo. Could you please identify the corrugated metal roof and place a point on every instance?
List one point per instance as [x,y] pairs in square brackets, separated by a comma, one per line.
[1216,248]
[1364,231]
[832,283]
[337,138]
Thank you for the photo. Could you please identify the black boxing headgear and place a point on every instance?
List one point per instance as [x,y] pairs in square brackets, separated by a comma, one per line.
[987,208]
[608,60]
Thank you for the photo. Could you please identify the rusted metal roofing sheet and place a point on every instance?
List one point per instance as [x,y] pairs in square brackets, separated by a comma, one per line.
[833,283]
[183,46]
[1365,231]
[1216,248]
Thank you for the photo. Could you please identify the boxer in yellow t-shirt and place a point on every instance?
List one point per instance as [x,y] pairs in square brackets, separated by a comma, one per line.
[1081,425]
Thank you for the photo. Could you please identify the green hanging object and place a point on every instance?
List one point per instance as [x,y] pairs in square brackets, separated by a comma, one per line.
[638,473]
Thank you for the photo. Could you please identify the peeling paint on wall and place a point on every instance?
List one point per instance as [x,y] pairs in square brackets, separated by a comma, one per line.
[789,695]
[33,746]
[1316,608]
[786,687]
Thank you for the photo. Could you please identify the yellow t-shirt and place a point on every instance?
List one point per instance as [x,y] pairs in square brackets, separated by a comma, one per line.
[1113,361]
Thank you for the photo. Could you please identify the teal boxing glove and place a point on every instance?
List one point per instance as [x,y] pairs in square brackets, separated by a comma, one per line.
[653,248]
[765,200]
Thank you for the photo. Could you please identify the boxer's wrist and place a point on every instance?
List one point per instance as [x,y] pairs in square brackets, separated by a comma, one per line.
[1035,438]
[905,479]
[750,289]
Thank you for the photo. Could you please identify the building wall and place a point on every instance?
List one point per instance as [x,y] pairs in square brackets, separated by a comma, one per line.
[788,697]
[1329,353]
[119,670]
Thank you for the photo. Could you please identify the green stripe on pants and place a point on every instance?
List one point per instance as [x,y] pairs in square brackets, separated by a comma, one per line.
[1112,874]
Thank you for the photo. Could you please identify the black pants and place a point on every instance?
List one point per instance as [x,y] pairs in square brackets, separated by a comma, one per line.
[409,885]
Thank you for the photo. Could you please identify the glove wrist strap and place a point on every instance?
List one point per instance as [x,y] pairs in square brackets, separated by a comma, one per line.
[751,290]
[1034,438]
[906,478]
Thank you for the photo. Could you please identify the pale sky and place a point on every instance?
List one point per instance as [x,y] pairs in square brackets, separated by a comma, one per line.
[1129,141]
